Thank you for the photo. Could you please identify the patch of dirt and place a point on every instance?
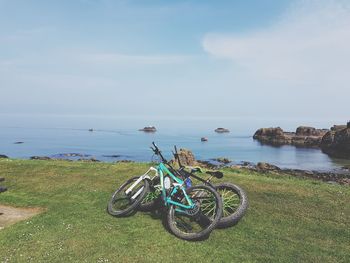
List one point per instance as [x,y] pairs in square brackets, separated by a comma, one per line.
[10,215]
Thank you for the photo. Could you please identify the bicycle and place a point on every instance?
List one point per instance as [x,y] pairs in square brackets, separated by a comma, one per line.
[234,198]
[192,212]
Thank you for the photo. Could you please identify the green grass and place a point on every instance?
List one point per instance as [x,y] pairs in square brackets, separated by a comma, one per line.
[289,219]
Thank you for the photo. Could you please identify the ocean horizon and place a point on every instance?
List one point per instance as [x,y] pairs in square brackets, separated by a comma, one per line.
[115,138]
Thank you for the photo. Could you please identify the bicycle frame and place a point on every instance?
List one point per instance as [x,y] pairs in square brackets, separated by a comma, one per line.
[162,171]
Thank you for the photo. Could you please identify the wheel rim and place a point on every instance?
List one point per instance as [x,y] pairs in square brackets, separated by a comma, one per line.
[121,200]
[230,200]
[191,224]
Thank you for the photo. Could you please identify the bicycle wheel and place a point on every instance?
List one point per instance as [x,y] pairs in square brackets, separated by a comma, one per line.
[235,204]
[121,204]
[149,203]
[196,223]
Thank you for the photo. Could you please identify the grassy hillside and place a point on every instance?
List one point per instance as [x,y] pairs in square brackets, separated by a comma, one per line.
[289,219]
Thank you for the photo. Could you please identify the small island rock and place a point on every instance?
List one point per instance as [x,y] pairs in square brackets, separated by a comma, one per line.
[149,129]
[222,130]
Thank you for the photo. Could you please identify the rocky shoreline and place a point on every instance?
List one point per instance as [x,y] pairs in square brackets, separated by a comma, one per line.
[341,176]
[334,141]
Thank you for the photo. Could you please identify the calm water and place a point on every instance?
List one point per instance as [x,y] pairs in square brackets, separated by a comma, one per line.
[134,145]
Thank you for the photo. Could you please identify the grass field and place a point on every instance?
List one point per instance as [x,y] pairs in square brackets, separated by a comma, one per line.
[289,219]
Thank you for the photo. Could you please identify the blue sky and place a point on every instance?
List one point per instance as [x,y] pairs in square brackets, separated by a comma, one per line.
[160,59]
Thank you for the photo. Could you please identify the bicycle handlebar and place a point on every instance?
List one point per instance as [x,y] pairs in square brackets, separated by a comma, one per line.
[158,152]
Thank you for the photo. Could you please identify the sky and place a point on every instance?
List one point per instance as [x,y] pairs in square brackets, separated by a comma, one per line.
[252,59]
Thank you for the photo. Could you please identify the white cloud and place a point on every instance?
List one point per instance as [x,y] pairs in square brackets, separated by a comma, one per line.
[309,48]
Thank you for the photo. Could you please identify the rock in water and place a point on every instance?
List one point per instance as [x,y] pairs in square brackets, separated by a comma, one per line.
[310,131]
[303,136]
[204,139]
[336,143]
[222,130]
[149,129]
[274,136]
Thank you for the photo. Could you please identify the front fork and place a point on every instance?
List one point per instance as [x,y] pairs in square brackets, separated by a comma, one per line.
[142,177]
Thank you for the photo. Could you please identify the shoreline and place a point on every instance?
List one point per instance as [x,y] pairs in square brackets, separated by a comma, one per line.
[336,176]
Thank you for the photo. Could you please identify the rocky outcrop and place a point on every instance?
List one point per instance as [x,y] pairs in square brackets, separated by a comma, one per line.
[40,158]
[274,136]
[303,136]
[92,159]
[149,129]
[186,157]
[223,160]
[111,155]
[310,131]
[340,177]
[3,156]
[267,167]
[222,130]
[336,142]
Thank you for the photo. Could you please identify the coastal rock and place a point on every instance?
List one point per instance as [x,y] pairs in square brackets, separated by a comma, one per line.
[92,159]
[186,157]
[310,131]
[262,166]
[304,136]
[40,158]
[338,127]
[222,130]
[207,164]
[336,142]
[222,160]
[112,155]
[125,161]
[149,129]
[204,139]
[3,156]
[65,155]
[18,142]
[274,136]
[341,177]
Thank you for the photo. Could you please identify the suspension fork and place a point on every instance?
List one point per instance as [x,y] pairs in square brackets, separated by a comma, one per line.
[142,177]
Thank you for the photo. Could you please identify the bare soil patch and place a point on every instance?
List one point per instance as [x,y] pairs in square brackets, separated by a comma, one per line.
[10,215]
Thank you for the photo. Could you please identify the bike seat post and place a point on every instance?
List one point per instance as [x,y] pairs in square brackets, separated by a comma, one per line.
[209,179]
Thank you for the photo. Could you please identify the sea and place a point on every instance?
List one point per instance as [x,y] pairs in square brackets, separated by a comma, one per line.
[116,138]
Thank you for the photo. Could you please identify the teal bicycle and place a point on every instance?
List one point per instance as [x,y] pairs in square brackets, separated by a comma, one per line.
[192,212]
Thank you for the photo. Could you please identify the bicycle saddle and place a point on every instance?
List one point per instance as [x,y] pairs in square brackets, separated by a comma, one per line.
[216,174]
